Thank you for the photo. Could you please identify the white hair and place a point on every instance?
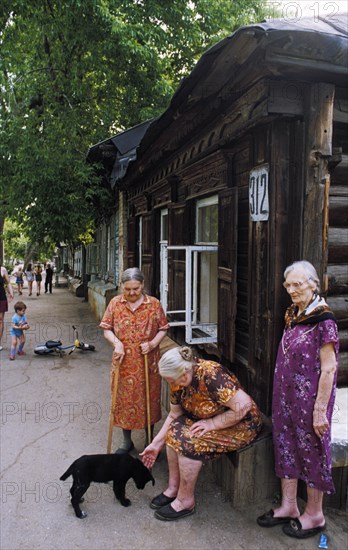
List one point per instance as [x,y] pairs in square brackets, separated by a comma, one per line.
[132,274]
[308,268]
[176,362]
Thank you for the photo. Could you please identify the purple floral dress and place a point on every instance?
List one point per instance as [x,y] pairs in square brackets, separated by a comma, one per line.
[299,453]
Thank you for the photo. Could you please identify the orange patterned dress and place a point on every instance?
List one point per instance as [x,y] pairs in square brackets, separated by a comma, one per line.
[212,386]
[133,328]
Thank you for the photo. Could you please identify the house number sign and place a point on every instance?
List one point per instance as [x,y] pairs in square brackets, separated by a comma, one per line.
[258,193]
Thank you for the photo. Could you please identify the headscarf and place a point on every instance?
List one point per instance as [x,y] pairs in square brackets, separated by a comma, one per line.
[316,311]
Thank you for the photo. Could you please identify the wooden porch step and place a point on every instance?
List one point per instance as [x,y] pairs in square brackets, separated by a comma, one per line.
[247,475]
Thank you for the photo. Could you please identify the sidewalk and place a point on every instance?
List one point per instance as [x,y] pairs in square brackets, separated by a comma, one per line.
[54,410]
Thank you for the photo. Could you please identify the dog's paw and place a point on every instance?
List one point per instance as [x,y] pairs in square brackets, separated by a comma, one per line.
[126,502]
[83,515]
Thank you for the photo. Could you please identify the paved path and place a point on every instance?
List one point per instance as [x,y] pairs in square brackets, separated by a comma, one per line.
[56,409]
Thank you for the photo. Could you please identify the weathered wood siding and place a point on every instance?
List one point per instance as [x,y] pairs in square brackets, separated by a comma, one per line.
[307,216]
[337,269]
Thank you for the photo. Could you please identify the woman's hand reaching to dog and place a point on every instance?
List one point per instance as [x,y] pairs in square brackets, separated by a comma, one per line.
[150,454]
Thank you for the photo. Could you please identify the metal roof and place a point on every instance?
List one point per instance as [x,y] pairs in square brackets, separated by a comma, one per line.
[130,139]
[121,143]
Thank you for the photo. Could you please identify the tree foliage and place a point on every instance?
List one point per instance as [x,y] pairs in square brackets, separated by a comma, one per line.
[74,72]
[16,243]
[18,247]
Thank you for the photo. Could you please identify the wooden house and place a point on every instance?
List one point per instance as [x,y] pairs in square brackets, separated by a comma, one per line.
[104,257]
[245,172]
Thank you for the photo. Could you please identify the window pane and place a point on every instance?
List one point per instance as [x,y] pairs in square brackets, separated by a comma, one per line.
[207,224]
[164,226]
[176,285]
[207,310]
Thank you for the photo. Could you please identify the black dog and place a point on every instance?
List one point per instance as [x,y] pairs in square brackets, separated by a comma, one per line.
[104,468]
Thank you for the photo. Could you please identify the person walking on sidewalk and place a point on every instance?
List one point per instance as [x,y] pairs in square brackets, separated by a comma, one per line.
[38,278]
[19,280]
[19,324]
[303,400]
[48,279]
[4,282]
[134,324]
[30,277]
[210,414]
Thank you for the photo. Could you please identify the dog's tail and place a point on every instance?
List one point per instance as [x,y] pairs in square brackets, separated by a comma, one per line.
[66,474]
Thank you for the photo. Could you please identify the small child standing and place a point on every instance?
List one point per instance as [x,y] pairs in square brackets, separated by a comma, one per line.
[19,324]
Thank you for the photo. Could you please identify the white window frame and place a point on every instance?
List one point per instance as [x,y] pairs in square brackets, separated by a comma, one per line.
[163,260]
[191,299]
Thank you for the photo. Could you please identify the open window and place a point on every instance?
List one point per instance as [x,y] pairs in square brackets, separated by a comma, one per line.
[189,273]
[186,296]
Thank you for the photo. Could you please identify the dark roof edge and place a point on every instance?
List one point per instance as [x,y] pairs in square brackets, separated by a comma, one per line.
[269,30]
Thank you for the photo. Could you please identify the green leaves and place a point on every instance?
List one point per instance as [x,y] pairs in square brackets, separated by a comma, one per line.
[74,72]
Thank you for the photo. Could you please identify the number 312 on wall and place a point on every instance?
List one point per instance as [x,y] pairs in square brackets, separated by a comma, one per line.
[258,193]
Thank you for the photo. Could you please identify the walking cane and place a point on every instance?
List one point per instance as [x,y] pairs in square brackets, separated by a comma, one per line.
[147,389]
[112,407]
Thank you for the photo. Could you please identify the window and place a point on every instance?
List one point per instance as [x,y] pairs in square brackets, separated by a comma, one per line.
[181,295]
[140,240]
[111,248]
[92,259]
[108,248]
[163,251]
[207,262]
[189,277]
[207,220]
[164,225]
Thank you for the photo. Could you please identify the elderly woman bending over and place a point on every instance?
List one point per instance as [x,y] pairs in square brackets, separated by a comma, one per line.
[210,414]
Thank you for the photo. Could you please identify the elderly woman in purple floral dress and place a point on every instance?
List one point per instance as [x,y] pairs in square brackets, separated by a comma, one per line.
[303,400]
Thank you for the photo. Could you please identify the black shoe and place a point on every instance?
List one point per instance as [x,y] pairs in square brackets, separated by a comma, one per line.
[160,501]
[268,520]
[294,529]
[167,513]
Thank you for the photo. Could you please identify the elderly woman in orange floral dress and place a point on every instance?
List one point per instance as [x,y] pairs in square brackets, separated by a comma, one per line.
[134,324]
[210,414]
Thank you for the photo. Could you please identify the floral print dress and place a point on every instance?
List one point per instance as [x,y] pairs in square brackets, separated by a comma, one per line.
[299,452]
[133,328]
[211,388]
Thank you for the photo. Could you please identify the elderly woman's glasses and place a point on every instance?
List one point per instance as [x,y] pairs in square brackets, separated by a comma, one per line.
[296,286]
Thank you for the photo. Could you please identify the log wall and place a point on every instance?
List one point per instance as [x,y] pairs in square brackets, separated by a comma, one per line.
[337,269]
